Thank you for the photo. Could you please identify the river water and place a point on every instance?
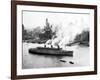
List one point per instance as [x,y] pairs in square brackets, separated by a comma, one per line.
[81,57]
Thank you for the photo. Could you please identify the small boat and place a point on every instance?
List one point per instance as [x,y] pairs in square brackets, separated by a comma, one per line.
[71,62]
[62,60]
[50,51]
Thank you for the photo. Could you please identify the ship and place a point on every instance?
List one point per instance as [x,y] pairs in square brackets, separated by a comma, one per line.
[51,51]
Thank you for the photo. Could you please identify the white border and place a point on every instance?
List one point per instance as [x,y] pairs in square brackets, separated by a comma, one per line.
[21,71]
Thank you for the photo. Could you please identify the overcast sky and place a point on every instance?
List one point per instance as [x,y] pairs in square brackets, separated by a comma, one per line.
[33,19]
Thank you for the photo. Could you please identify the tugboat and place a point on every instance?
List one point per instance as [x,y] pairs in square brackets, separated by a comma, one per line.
[51,51]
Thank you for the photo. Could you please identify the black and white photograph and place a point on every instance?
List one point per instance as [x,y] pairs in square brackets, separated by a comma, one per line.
[55,39]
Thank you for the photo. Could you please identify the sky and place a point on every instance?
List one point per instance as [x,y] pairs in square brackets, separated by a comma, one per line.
[32,19]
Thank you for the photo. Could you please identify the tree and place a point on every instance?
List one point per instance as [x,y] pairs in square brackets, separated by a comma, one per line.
[47,31]
[84,36]
[24,32]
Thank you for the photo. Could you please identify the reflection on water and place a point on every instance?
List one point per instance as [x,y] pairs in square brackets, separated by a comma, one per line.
[81,58]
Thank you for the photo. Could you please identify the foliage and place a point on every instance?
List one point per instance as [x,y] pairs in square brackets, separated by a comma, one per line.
[37,34]
[84,36]
[81,39]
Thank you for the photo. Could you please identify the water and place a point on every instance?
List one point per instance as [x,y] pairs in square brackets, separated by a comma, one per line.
[80,58]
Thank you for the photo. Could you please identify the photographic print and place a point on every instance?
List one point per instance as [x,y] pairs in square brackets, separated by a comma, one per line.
[54,39]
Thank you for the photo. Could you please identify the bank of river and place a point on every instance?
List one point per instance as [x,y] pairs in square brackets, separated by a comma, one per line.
[81,58]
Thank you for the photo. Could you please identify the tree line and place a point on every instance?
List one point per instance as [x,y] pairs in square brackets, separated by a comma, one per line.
[38,35]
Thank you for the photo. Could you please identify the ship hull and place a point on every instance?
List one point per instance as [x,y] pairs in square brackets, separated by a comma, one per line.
[50,51]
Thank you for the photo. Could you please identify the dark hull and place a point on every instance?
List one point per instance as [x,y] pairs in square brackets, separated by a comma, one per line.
[50,51]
